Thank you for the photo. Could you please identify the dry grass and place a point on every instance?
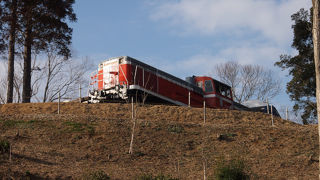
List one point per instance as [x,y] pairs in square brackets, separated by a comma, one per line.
[169,140]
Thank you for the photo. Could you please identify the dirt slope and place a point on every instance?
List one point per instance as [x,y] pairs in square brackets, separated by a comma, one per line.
[168,139]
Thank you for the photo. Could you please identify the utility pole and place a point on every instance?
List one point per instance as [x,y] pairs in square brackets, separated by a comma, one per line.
[315,34]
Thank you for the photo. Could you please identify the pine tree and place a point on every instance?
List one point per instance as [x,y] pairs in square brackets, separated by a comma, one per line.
[12,40]
[44,22]
[302,87]
[33,25]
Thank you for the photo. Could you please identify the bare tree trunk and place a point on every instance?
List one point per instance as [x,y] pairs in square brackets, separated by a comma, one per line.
[133,127]
[26,91]
[46,89]
[315,33]
[12,40]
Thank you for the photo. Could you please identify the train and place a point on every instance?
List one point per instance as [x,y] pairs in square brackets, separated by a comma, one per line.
[124,78]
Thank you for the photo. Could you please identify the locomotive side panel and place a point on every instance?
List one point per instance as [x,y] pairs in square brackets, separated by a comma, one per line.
[196,100]
[138,76]
[146,79]
[125,71]
[179,93]
[150,81]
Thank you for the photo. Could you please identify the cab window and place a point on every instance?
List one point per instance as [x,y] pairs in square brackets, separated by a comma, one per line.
[223,90]
[208,86]
[200,84]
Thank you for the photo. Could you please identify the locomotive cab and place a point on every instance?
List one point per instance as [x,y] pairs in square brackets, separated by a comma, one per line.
[216,93]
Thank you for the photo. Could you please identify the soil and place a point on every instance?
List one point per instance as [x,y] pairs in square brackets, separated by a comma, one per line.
[168,140]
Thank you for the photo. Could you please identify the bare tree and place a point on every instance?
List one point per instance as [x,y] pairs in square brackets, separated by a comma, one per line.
[61,75]
[52,68]
[229,73]
[3,87]
[50,74]
[36,77]
[248,81]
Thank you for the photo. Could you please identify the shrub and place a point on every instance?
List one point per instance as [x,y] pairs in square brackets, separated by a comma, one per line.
[90,130]
[231,170]
[4,146]
[74,126]
[226,137]
[158,177]
[19,123]
[175,128]
[77,127]
[96,175]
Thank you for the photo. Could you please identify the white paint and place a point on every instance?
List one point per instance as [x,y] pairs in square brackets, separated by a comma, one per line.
[110,79]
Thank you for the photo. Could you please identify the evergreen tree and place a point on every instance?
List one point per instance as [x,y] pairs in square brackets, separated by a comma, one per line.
[2,27]
[33,25]
[8,26]
[12,21]
[302,87]
[44,22]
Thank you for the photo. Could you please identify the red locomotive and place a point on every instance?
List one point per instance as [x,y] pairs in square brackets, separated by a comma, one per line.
[123,77]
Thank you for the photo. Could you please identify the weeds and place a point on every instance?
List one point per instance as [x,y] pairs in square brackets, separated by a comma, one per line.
[139,154]
[175,128]
[20,123]
[272,139]
[231,170]
[226,137]
[158,177]
[79,127]
[145,124]
[90,130]
[96,175]
[4,146]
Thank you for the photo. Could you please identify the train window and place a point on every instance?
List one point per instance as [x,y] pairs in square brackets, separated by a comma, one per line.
[228,93]
[223,89]
[208,86]
[200,84]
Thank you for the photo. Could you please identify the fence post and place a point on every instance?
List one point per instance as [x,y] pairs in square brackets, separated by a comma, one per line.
[287,113]
[10,155]
[80,93]
[204,169]
[59,102]
[204,112]
[189,96]
[271,115]
[267,106]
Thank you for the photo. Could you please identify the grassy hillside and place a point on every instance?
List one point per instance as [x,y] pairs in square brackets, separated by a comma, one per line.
[169,140]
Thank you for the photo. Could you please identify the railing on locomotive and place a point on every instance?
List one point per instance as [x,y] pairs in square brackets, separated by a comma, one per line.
[94,80]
